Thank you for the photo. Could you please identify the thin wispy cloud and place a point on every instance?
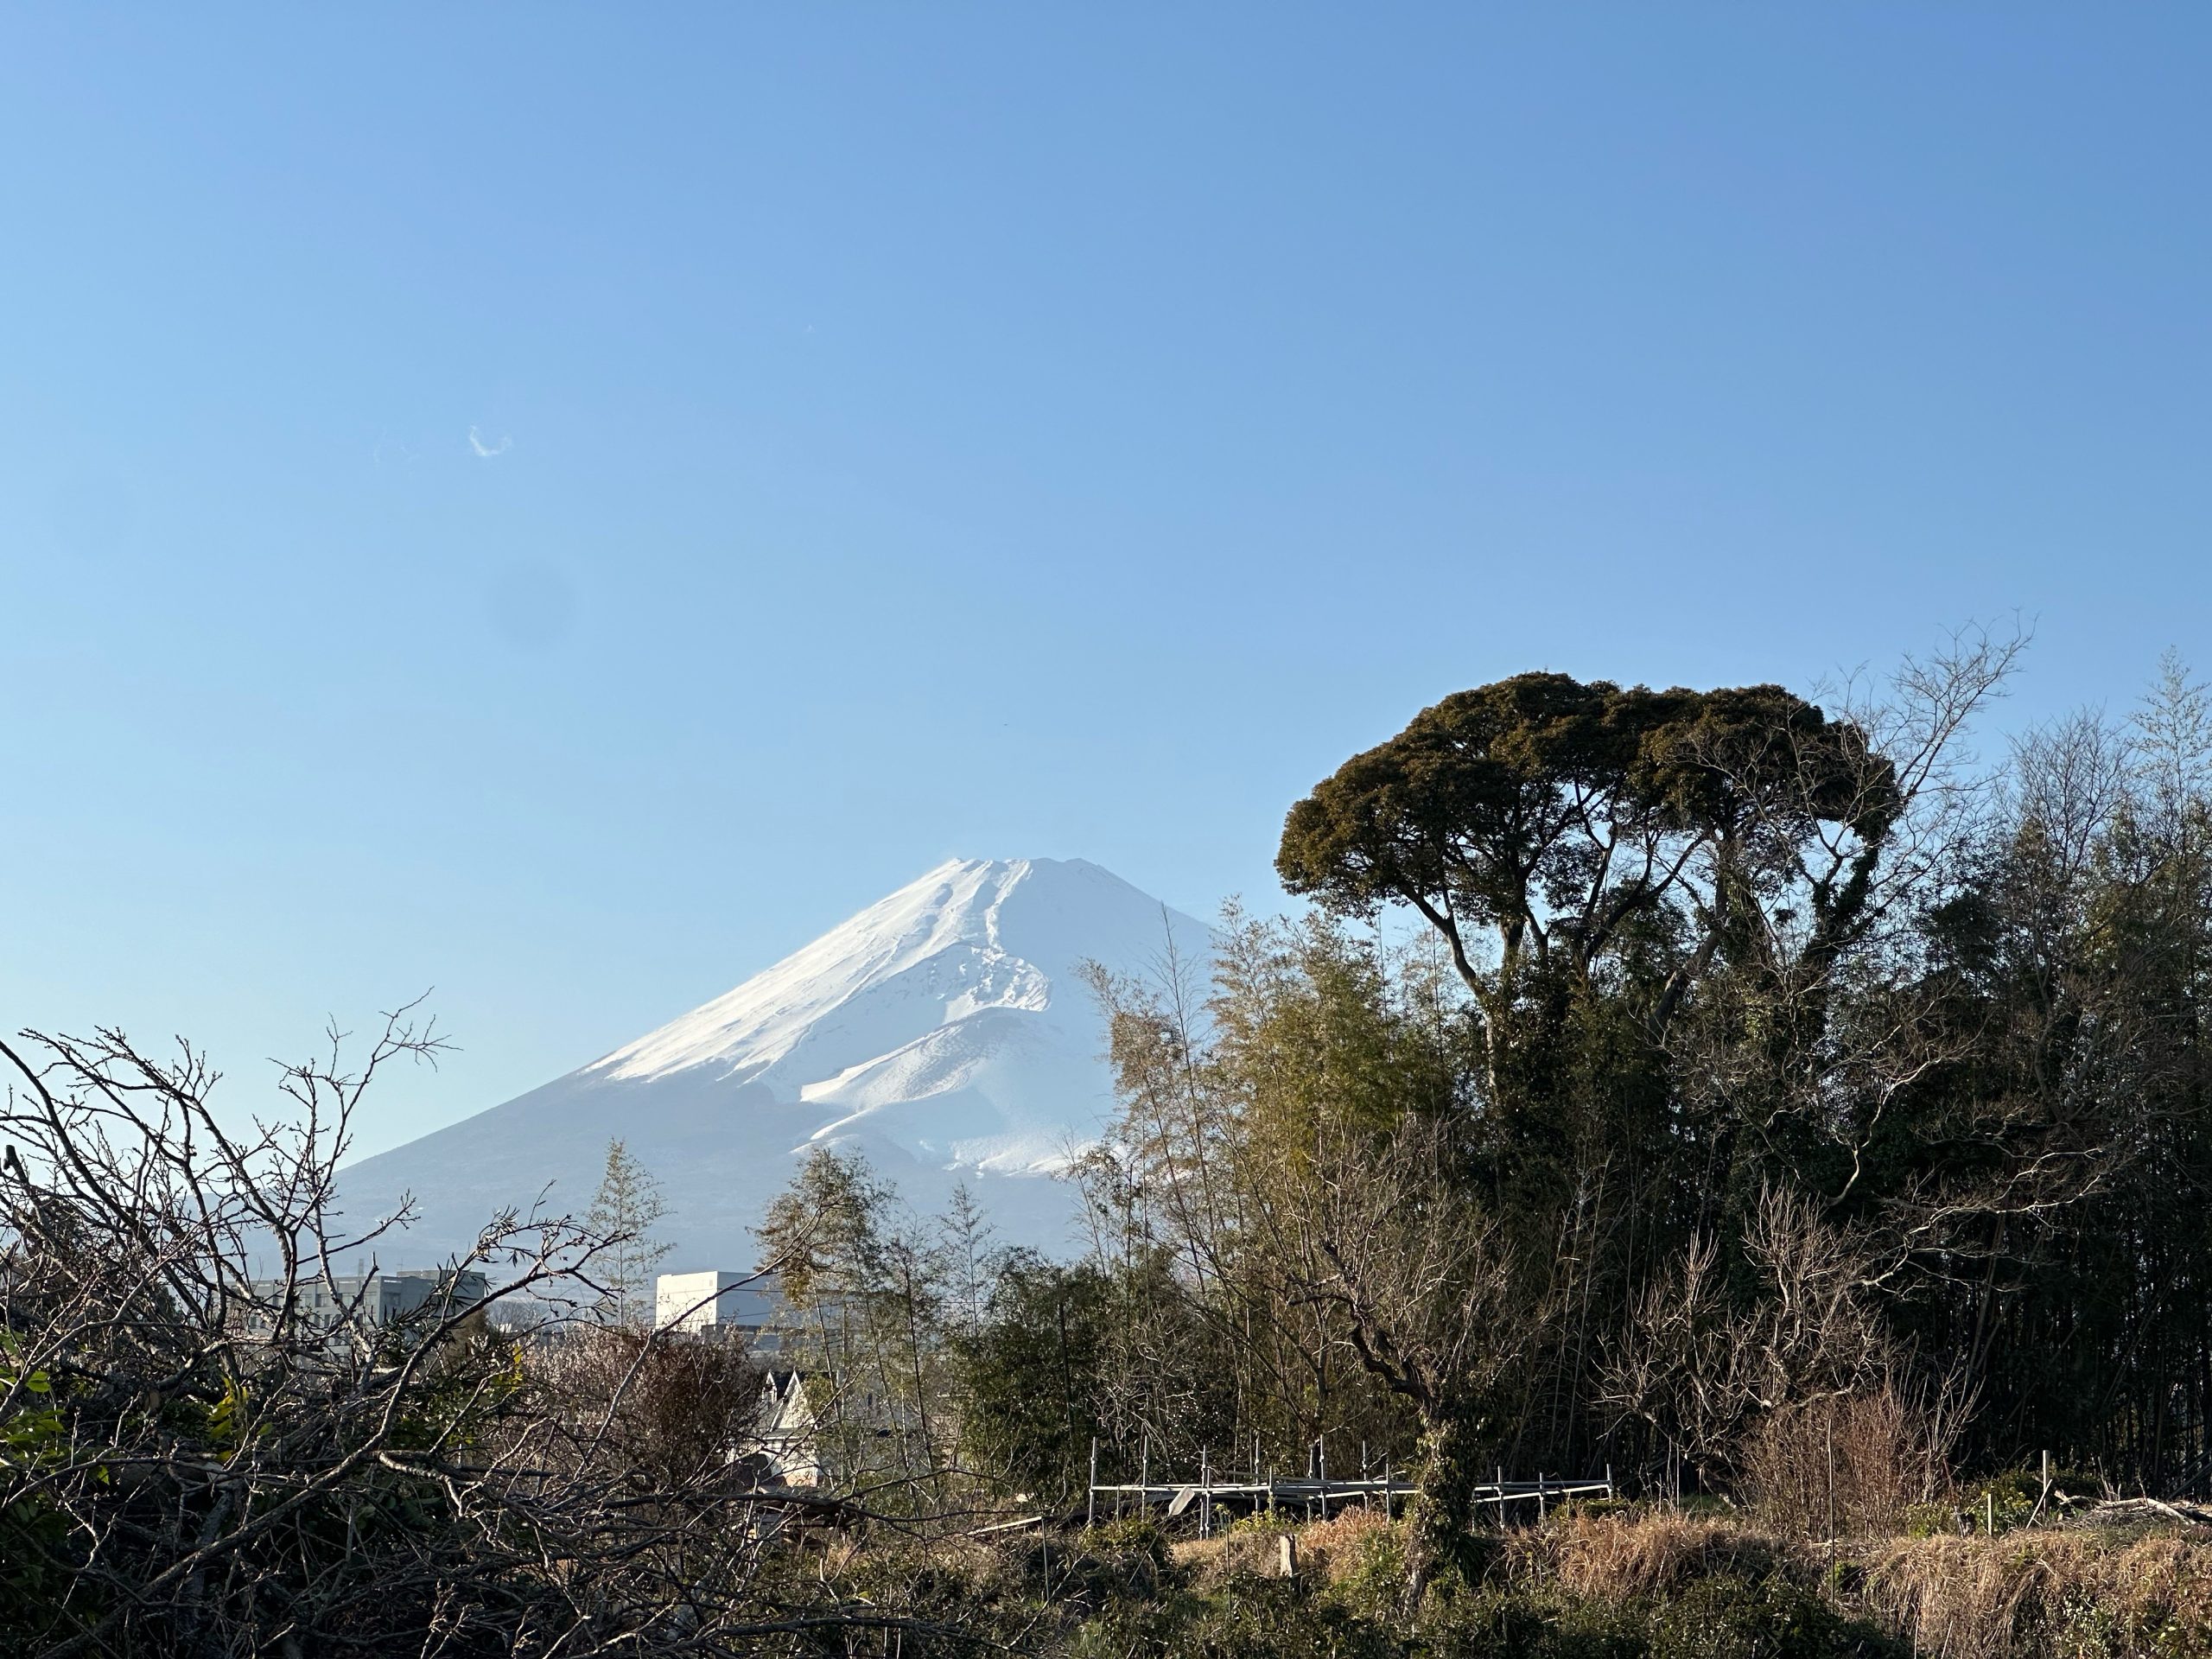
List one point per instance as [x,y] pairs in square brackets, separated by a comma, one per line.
[485,451]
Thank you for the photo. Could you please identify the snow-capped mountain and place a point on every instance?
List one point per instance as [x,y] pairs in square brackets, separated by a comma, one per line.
[944,1031]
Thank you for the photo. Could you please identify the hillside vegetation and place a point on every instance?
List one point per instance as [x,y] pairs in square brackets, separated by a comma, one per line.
[1771,1104]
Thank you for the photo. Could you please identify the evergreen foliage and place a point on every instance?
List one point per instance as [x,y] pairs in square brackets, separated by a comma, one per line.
[625,1211]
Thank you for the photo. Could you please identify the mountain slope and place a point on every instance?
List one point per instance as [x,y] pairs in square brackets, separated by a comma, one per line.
[942,1032]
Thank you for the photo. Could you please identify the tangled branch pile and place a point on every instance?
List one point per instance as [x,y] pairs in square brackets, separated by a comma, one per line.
[200,1456]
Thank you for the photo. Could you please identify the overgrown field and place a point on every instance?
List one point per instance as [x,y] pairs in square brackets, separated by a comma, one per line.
[1606,1586]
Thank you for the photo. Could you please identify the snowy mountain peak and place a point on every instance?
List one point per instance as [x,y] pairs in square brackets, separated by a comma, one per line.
[934,951]
[942,1031]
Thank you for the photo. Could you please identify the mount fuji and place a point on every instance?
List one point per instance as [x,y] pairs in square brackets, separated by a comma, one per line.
[944,1033]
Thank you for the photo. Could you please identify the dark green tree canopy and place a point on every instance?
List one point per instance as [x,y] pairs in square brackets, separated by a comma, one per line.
[1551,813]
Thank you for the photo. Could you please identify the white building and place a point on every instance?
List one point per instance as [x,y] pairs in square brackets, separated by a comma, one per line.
[365,1301]
[747,1304]
[785,1441]
[748,1307]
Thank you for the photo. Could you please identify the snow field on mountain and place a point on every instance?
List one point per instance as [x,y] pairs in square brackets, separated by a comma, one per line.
[944,1031]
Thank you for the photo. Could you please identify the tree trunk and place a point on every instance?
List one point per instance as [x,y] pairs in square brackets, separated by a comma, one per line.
[1436,1538]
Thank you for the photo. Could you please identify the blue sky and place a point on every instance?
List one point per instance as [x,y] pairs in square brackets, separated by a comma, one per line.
[1001,431]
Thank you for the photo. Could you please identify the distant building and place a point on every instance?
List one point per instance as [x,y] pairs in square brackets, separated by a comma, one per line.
[748,1306]
[784,1442]
[368,1300]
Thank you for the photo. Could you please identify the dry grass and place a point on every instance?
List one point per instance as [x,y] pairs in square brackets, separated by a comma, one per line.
[2055,1593]
[1326,1550]
[2052,1594]
[1613,1557]
[1333,1547]
[1605,1557]
[1214,1556]
[1857,1463]
[2074,1594]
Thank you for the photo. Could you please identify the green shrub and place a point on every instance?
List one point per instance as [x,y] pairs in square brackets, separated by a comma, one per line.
[1724,1616]
[1138,1534]
[2008,1499]
[1243,1617]
[1272,1619]
[1092,1570]
[1539,1622]
[1729,1616]
[1369,1572]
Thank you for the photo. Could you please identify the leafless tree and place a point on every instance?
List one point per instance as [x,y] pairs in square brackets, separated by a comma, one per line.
[210,1445]
[1426,1297]
[1703,1366]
